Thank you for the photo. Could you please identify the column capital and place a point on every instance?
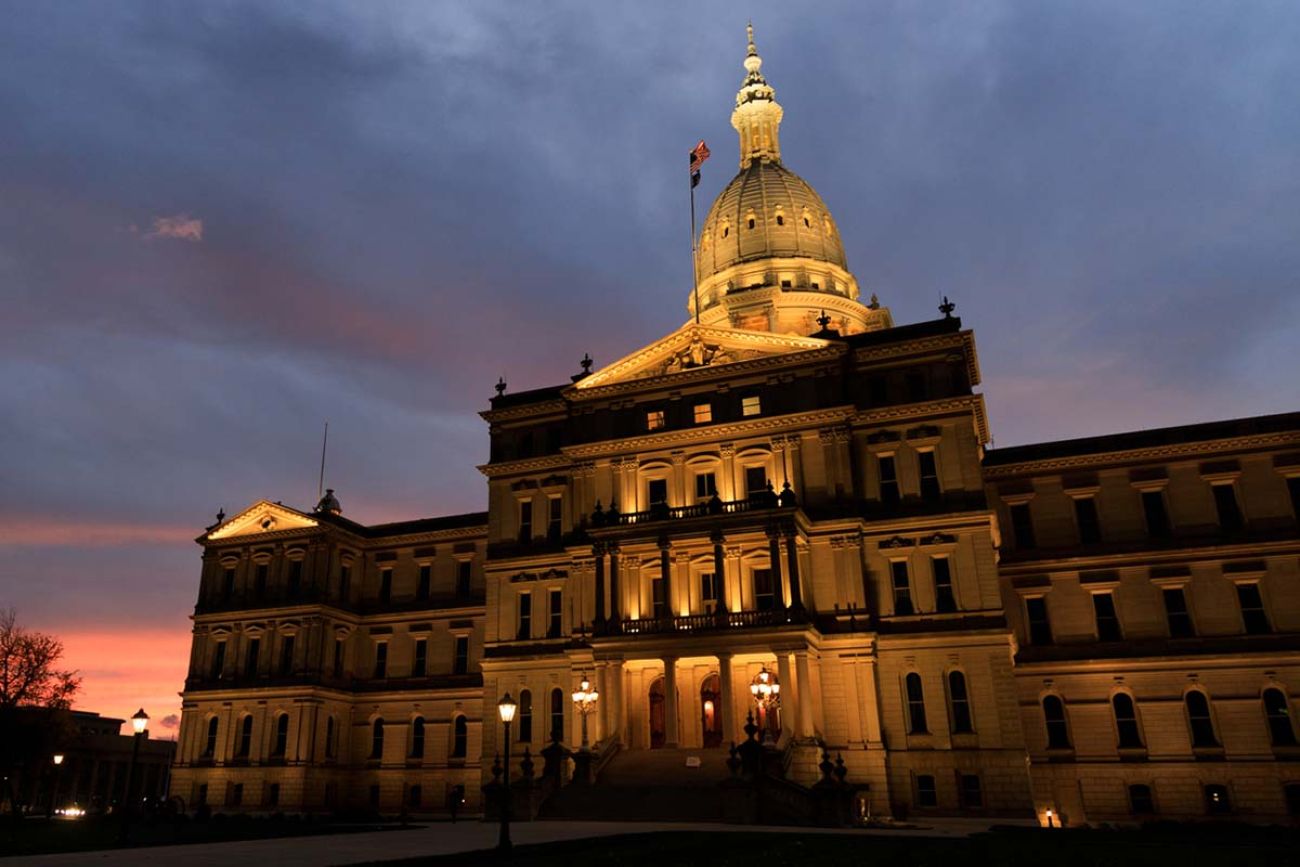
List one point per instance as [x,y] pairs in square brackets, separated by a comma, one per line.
[735,551]
[727,450]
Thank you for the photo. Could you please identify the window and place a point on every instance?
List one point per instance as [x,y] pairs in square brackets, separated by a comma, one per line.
[1126,721]
[210,743]
[1253,616]
[554,518]
[464,570]
[972,796]
[414,796]
[219,659]
[381,659]
[273,795]
[944,600]
[237,795]
[1040,628]
[780,219]
[338,657]
[888,479]
[1022,525]
[1278,714]
[295,577]
[750,222]
[374,795]
[929,477]
[345,581]
[259,579]
[1153,507]
[654,419]
[658,602]
[525,616]
[426,581]
[915,705]
[557,715]
[281,736]
[1103,609]
[525,521]
[250,661]
[417,738]
[1058,731]
[902,587]
[755,481]
[420,660]
[764,593]
[228,582]
[460,664]
[703,413]
[706,486]
[286,655]
[377,739]
[926,795]
[1291,791]
[708,591]
[1225,502]
[203,794]
[1140,802]
[329,738]
[1217,802]
[555,628]
[1176,613]
[1293,488]
[751,405]
[1085,517]
[657,492]
[459,738]
[525,716]
[959,703]
[1198,719]
[245,737]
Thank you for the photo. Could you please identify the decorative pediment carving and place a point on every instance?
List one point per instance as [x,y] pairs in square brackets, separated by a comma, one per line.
[262,517]
[938,539]
[883,436]
[897,542]
[548,575]
[924,432]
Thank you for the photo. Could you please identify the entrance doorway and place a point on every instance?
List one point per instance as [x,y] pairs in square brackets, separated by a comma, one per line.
[658,714]
[710,711]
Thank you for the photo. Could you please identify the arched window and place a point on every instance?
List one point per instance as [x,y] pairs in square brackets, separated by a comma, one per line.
[377,739]
[557,715]
[245,737]
[959,703]
[281,735]
[915,705]
[1278,714]
[459,737]
[1126,721]
[417,738]
[329,738]
[210,746]
[525,716]
[1199,720]
[1058,732]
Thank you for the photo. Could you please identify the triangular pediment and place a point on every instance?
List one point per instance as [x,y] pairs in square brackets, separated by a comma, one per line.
[695,347]
[262,517]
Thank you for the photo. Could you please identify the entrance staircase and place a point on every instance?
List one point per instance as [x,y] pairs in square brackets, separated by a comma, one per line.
[650,786]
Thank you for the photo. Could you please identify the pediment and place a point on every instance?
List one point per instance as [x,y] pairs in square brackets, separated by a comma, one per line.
[694,347]
[262,517]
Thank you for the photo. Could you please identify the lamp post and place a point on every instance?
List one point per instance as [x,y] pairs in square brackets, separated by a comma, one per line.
[57,758]
[139,720]
[766,690]
[506,708]
[584,702]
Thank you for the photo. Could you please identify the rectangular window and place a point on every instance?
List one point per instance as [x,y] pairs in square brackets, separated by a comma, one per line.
[1253,616]
[237,794]
[423,588]
[1140,801]
[259,579]
[902,587]
[286,655]
[525,522]
[525,616]
[1085,517]
[1153,507]
[345,581]
[929,477]
[751,405]
[464,570]
[654,419]
[708,591]
[703,413]
[227,583]
[657,492]
[1176,613]
[972,796]
[1022,525]
[295,577]
[460,663]
[658,601]
[944,600]
[888,479]
[554,518]
[926,794]
[706,486]
[1293,488]
[219,660]
[273,795]
[250,661]
[554,628]
[1225,502]
[338,657]
[764,593]
[414,796]
[755,481]
[385,585]
[381,659]
[1103,608]
[1040,628]
[420,662]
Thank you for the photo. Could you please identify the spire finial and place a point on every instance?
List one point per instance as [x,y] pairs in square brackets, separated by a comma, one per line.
[501,386]
[749,30]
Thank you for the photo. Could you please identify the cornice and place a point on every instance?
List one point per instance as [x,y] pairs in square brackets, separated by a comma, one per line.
[961,340]
[973,403]
[527,465]
[1143,455]
[524,410]
[794,358]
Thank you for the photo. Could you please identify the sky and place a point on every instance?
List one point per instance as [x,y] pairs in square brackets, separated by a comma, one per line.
[224,223]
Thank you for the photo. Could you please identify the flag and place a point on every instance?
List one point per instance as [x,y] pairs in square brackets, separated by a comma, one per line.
[699,154]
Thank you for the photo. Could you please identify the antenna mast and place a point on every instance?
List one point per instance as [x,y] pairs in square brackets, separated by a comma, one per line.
[320,486]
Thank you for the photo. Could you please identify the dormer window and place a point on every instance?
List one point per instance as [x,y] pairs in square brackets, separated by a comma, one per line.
[780,219]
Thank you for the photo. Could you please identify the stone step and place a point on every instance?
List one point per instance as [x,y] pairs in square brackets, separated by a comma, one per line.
[675,767]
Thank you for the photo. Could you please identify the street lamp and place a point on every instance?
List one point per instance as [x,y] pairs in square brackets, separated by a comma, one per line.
[139,720]
[584,702]
[766,690]
[506,708]
[57,758]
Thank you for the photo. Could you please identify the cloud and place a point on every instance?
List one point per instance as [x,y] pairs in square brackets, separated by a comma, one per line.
[182,227]
[170,721]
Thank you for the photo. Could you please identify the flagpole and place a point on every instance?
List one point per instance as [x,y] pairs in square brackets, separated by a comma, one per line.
[695,274]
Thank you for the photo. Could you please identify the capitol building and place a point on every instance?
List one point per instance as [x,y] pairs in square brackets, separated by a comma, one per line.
[790,489]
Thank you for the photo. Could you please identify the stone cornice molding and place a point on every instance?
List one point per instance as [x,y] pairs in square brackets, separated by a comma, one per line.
[1152,453]
[526,410]
[750,427]
[973,403]
[964,340]
[526,465]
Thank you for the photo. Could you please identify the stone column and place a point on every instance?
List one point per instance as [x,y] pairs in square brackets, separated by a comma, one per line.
[670,702]
[598,551]
[804,700]
[774,557]
[727,483]
[737,576]
[727,696]
[602,703]
[789,695]
[792,563]
[720,573]
[615,610]
[666,574]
